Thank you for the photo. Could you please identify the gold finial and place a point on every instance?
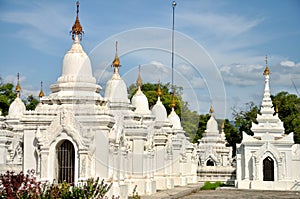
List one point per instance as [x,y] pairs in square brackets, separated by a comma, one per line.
[211,110]
[276,109]
[223,125]
[77,28]
[116,62]
[158,89]
[18,87]
[173,101]
[139,81]
[267,71]
[41,94]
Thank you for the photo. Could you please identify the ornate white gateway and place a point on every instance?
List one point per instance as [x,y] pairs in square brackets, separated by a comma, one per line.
[269,159]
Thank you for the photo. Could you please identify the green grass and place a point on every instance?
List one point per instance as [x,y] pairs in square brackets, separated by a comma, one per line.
[211,186]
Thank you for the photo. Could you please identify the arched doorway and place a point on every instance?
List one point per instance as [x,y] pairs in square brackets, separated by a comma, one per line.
[65,161]
[268,169]
[210,163]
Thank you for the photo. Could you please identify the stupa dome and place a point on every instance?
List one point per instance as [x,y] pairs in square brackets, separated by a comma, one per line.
[212,124]
[140,101]
[159,111]
[116,89]
[175,120]
[76,65]
[17,108]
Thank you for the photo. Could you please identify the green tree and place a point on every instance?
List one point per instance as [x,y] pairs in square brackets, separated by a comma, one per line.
[243,118]
[189,121]
[7,96]
[31,102]
[201,127]
[232,135]
[288,106]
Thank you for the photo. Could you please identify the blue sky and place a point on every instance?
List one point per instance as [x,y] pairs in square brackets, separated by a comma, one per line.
[220,46]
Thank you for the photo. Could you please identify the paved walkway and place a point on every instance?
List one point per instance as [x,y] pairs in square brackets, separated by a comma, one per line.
[193,192]
[177,192]
[242,193]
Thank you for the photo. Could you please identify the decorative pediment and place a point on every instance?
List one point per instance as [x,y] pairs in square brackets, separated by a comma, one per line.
[267,148]
[64,122]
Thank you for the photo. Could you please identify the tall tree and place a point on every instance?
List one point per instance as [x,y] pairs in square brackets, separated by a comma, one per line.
[201,127]
[288,106]
[243,118]
[232,135]
[189,121]
[7,96]
[31,102]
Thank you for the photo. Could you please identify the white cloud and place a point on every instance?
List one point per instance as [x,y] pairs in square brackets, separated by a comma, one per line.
[241,74]
[251,74]
[289,63]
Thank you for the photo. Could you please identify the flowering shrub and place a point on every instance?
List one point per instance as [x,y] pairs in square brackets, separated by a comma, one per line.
[19,185]
[23,186]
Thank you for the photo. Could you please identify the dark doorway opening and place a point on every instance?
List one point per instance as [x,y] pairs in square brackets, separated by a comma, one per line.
[210,163]
[268,169]
[65,162]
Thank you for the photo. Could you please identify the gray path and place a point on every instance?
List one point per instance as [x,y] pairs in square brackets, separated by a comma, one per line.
[241,194]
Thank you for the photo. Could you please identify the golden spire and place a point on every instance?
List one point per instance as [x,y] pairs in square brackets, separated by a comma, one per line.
[223,126]
[18,87]
[267,71]
[116,62]
[211,110]
[173,101]
[276,109]
[139,81]
[77,28]
[158,89]
[41,94]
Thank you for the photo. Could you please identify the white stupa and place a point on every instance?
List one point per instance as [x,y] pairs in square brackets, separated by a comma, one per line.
[159,110]
[17,107]
[116,89]
[139,100]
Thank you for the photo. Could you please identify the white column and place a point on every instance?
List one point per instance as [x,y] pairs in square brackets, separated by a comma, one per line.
[101,153]
[3,150]
[44,154]
[29,161]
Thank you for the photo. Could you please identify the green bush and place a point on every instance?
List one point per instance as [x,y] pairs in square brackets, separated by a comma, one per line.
[211,186]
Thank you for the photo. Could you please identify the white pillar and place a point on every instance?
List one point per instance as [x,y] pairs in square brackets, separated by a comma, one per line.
[29,161]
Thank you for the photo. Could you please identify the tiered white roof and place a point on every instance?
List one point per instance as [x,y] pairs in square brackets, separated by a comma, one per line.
[268,120]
